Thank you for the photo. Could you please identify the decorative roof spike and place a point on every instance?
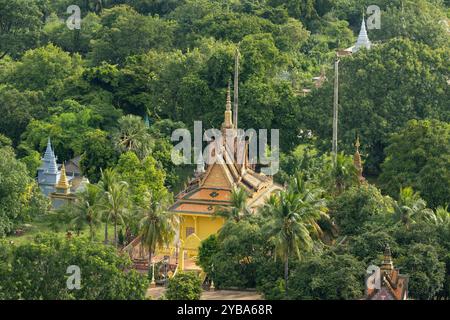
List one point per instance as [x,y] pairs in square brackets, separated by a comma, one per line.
[52,166]
[228,106]
[387,264]
[63,183]
[228,123]
[48,155]
[363,38]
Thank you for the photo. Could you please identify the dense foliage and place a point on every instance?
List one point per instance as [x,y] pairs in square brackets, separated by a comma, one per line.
[422,163]
[113,91]
[38,270]
[20,198]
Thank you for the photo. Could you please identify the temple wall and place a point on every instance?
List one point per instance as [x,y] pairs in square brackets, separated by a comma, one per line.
[202,226]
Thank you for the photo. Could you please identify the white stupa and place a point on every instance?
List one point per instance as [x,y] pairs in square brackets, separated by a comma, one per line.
[363,38]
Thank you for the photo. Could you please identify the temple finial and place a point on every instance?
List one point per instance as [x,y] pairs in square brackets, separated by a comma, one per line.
[387,264]
[50,158]
[228,123]
[48,152]
[228,106]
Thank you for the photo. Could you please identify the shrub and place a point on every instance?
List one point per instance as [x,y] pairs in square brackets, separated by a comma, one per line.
[184,286]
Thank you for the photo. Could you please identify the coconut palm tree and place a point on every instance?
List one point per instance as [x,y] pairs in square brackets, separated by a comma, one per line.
[312,202]
[115,200]
[410,208]
[292,221]
[86,209]
[440,217]
[117,204]
[133,135]
[343,173]
[238,208]
[158,226]
[108,178]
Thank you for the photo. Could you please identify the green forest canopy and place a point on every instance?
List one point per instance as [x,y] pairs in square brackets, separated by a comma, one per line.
[171,61]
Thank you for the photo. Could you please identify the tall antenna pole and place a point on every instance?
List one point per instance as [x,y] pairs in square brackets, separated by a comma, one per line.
[236,87]
[335,108]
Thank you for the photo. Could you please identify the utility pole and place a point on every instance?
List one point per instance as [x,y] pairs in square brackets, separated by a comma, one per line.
[335,108]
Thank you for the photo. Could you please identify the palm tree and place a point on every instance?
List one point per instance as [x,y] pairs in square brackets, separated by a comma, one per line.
[108,178]
[410,208]
[238,208]
[293,216]
[158,226]
[343,173]
[115,200]
[132,220]
[117,204]
[87,209]
[312,202]
[440,217]
[133,135]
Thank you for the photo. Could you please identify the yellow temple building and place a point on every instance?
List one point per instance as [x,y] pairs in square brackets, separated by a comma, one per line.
[211,188]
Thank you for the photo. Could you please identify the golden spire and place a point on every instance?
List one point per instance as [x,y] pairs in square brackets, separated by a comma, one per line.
[228,107]
[63,183]
[387,265]
[228,113]
[357,160]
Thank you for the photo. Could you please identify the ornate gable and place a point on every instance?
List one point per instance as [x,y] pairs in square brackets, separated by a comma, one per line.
[217,176]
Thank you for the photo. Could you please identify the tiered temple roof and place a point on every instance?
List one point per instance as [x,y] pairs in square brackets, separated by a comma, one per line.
[48,173]
[228,169]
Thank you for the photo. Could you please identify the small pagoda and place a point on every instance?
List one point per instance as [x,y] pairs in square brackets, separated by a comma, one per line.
[62,194]
[393,285]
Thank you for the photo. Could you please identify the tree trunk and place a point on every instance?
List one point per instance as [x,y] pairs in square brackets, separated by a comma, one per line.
[91,232]
[286,274]
[115,232]
[149,259]
[106,232]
